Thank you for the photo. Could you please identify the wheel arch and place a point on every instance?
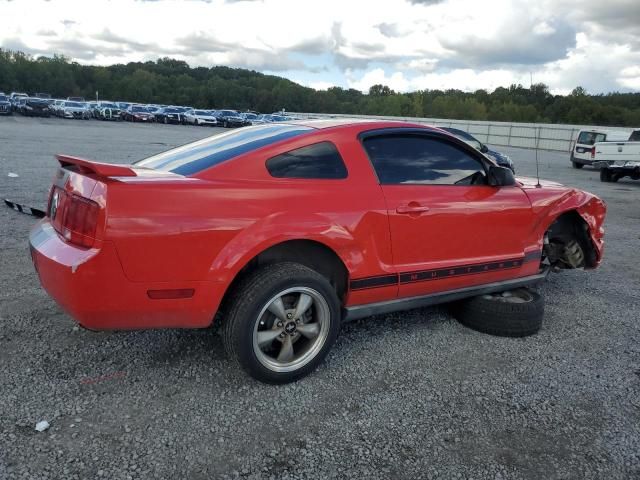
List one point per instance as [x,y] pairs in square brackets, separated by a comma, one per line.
[308,252]
[570,224]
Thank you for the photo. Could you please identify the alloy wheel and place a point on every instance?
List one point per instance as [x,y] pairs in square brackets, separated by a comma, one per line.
[291,329]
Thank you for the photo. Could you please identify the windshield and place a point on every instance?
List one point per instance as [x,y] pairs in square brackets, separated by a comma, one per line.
[250,115]
[139,109]
[203,112]
[74,104]
[197,156]
[108,105]
[228,113]
[3,98]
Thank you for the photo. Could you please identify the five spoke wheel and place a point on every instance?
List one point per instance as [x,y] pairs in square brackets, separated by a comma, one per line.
[291,329]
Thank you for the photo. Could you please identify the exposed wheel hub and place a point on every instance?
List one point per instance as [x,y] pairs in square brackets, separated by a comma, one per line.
[290,328]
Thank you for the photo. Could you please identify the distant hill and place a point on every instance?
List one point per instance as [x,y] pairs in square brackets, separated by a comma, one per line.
[170,81]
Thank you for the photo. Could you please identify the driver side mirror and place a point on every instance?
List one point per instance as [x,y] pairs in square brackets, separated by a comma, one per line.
[484,148]
[501,177]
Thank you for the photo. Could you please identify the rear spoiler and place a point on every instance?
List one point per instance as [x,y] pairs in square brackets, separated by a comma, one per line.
[98,168]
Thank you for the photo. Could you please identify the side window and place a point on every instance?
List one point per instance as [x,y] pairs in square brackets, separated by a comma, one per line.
[321,160]
[422,160]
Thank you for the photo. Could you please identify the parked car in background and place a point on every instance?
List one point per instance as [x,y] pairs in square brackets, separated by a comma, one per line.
[35,107]
[170,115]
[107,111]
[5,105]
[91,106]
[250,118]
[14,98]
[581,153]
[18,104]
[56,107]
[123,105]
[230,119]
[200,117]
[76,99]
[500,158]
[618,159]
[76,110]
[138,113]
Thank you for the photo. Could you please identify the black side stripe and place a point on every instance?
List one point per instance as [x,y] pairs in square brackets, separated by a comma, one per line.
[437,274]
[374,282]
[440,273]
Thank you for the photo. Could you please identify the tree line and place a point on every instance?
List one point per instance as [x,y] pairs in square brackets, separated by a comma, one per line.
[170,81]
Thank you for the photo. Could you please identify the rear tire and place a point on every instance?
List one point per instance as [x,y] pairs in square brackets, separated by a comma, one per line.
[517,313]
[263,331]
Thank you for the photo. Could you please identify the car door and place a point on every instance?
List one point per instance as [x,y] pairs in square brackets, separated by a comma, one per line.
[449,228]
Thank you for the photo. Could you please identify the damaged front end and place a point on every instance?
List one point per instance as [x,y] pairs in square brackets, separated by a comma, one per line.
[568,244]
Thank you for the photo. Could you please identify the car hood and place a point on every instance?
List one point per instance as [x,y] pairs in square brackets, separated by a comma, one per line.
[75,109]
[530,182]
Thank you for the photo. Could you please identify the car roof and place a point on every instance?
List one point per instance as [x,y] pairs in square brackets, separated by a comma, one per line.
[353,122]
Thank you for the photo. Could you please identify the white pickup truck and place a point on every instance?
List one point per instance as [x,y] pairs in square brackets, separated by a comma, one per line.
[618,159]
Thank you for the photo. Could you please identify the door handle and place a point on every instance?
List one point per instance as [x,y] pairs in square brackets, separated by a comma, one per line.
[412,208]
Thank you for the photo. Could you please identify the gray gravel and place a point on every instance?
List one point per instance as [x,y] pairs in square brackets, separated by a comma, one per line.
[412,395]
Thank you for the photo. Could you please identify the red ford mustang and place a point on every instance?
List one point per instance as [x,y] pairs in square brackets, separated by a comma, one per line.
[288,229]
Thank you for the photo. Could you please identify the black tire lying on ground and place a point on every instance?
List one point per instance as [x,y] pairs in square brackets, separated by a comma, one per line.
[516,313]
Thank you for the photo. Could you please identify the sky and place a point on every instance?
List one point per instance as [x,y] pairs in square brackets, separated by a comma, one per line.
[405,44]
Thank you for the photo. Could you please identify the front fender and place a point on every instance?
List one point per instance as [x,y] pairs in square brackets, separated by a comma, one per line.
[550,203]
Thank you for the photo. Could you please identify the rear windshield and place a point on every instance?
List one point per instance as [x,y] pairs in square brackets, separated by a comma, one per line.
[589,138]
[197,156]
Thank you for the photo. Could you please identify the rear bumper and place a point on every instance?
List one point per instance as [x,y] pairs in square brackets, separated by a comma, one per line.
[582,161]
[91,287]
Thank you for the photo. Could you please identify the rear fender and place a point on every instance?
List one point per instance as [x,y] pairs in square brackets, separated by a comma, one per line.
[279,228]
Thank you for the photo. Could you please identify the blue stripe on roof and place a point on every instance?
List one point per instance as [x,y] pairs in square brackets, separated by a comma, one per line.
[197,156]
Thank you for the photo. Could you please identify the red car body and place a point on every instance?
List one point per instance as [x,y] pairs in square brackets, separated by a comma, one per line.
[163,249]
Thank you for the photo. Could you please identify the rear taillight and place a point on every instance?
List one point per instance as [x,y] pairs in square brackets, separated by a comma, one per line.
[74,217]
[593,152]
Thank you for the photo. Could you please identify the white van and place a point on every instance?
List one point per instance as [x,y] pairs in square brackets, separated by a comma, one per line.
[581,151]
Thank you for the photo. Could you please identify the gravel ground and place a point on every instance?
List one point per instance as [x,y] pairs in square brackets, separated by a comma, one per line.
[411,395]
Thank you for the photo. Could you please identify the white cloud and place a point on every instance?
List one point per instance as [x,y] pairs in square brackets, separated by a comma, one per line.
[460,79]
[466,44]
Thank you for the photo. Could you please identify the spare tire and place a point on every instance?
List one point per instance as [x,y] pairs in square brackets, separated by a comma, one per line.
[515,313]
